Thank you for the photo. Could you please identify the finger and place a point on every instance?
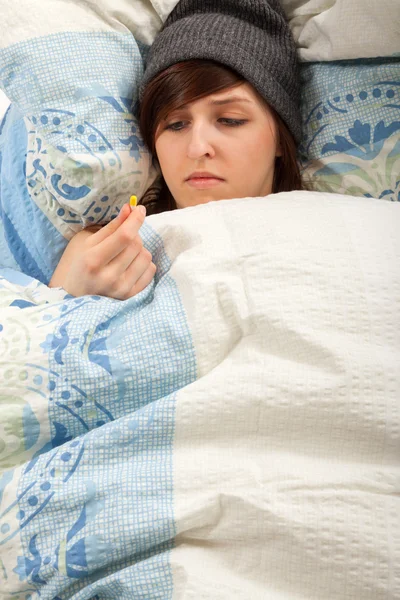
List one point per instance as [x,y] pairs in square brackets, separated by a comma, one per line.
[125,258]
[135,271]
[112,226]
[143,281]
[119,239]
[138,267]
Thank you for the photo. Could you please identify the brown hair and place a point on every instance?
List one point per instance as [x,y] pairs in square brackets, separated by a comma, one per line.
[186,82]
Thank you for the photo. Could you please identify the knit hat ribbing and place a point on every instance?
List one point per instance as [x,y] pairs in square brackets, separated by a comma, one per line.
[250,36]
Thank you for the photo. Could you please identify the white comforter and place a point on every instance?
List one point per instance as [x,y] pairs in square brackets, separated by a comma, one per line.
[232,432]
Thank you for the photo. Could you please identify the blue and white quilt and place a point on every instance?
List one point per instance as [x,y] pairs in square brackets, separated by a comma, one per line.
[232,431]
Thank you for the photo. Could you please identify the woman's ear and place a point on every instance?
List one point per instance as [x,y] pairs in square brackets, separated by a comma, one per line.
[278,152]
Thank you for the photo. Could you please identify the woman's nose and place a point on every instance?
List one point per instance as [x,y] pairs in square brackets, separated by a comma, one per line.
[200,143]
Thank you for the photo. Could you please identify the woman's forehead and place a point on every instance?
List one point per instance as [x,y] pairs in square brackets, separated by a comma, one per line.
[239,94]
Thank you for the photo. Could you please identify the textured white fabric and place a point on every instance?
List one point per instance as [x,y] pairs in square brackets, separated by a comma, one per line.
[164,7]
[323,29]
[137,16]
[4,104]
[344,29]
[279,476]
[287,447]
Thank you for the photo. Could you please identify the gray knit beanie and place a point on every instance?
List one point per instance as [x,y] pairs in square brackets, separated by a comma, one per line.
[250,36]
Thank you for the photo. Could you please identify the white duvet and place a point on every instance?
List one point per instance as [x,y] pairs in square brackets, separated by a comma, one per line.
[233,432]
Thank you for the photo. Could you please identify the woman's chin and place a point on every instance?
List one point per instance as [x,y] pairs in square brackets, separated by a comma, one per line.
[204,197]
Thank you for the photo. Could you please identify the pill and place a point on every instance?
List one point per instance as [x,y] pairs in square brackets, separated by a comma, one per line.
[133,201]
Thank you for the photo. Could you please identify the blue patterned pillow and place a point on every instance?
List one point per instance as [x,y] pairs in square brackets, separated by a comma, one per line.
[70,150]
[351,127]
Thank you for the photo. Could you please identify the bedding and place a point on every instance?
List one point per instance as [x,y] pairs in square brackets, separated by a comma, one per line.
[232,431]
[351,127]
[330,30]
[70,150]
[4,104]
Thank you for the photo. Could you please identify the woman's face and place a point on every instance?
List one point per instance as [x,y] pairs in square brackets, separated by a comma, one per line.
[219,147]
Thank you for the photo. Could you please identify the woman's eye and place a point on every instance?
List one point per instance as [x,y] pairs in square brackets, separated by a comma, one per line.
[180,125]
[232,122]
[176,126]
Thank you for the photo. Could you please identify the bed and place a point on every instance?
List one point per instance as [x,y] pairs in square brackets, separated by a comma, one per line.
[234,430]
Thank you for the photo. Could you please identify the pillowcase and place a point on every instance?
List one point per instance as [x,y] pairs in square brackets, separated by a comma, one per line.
[70,150]
[340,29]
[351,127]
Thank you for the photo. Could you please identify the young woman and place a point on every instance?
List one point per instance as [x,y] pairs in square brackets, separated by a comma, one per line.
[220,122]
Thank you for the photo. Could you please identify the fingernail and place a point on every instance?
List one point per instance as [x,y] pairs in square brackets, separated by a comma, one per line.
[142,209]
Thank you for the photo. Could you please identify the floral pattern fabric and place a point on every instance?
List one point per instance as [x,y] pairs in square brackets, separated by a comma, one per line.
[351,127]
[71,153]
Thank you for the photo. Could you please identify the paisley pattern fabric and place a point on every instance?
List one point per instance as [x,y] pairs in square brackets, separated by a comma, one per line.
[70,150]
[351,127]
[83,380]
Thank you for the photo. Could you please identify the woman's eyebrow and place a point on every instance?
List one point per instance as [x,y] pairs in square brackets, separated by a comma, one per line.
[229,100]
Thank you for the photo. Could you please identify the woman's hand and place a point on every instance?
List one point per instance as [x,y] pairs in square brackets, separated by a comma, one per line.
[110,261]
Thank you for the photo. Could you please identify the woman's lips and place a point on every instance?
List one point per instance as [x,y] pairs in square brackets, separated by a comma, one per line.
[203,183]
